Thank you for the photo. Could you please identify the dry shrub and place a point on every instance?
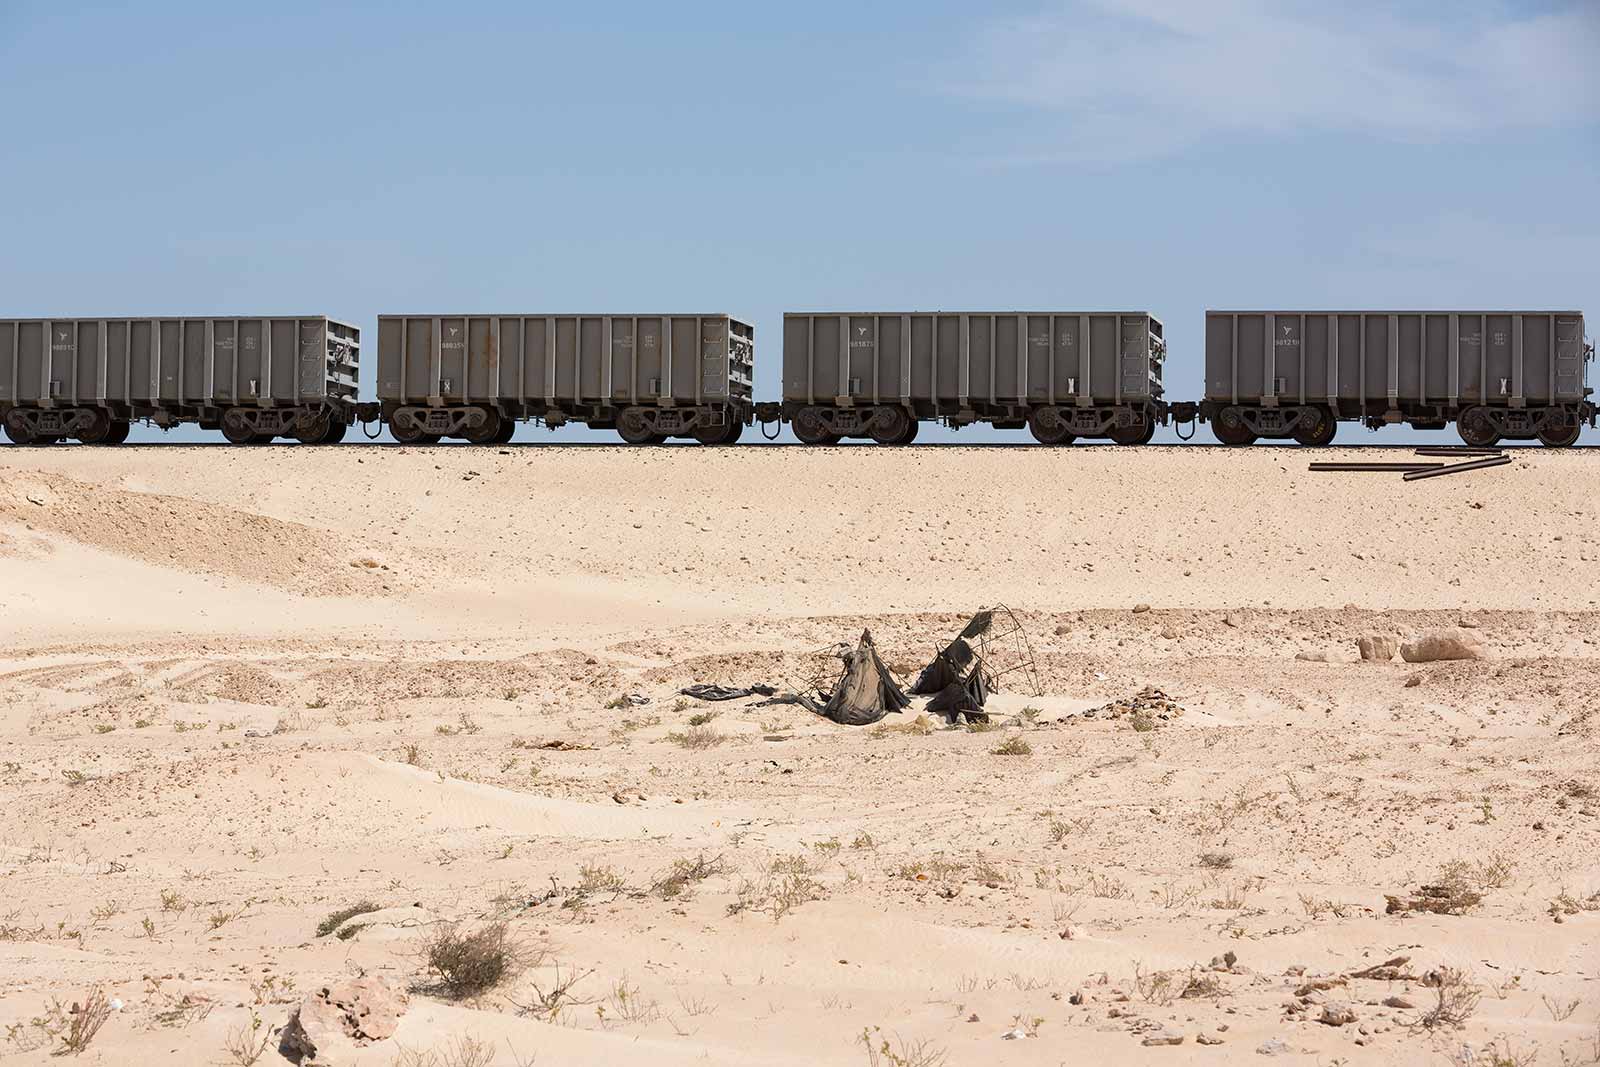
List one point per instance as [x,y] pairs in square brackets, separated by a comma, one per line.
[787,884]
[469,963]
[697,737]
[685,874]
[1455,999]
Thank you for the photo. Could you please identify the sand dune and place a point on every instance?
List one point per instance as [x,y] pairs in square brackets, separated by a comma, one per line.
[243,689]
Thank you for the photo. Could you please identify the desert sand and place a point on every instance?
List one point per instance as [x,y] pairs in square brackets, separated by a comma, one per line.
[243,690]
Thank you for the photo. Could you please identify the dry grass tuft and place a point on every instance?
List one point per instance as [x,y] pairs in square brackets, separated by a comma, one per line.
[338,918]
[1013,746]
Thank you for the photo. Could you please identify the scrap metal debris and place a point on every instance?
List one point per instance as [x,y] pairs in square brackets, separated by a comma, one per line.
[1458,468]
[723,692]
[1410,470]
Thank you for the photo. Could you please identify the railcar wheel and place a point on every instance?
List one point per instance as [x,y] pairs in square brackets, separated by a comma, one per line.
[335,434]
[508,430]
[485,432]
[405,431]
[98,430]
[1048,428]
[735,430]
[1139,433]
[118,432]
[888,426]
[1319,433]
[635,428]
[1230,428]
[236,428]
[1477,429]
[911,432]
[1560,434]
[812,429]
[18,431]
[316,432]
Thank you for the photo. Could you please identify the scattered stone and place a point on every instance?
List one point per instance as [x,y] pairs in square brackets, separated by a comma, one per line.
[1062,629]
[1234,619]
[1272,1046]
[1149,707]
[1207,1039]
[1449,899]
[1337,1013]
[1014,1035]
[1443,645]
[1171,632]
[1413,681]
[338,1018]
[1390,970]
[1140,609]
[1162,1037]
[1397,1002]
[1076,998]
[1378,648]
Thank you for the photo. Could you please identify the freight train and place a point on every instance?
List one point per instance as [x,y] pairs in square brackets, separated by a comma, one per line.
[1062,375]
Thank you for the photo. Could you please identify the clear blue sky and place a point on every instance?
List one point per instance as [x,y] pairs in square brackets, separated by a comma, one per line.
[1172,154]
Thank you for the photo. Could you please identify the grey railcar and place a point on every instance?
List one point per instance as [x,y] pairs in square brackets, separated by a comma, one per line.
[1062,374]
[1496,374]
[253,377]
[649,377]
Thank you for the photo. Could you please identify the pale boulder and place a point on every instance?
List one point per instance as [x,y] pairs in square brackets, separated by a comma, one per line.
[1378,648]
[1443,644]
[336,1019]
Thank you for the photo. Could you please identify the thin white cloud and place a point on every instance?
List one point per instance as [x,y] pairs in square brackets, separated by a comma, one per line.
[1164,72]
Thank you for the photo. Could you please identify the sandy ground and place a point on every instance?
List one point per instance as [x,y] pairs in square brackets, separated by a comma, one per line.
[242,689]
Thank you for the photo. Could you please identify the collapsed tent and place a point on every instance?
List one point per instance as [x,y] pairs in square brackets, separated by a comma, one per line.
[957,677]
[865,692]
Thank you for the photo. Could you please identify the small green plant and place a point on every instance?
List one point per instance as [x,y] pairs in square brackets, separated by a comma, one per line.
[902,1053]
[172,901]
[697,737]
[74,776]
[593,878]
[1013,746]
[701,718]
[141,724]
[247,1042]
[104,727]
[336,919]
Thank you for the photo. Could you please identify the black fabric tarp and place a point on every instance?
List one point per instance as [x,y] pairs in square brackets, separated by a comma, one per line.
[949,665]
[962,696]
[866,691]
